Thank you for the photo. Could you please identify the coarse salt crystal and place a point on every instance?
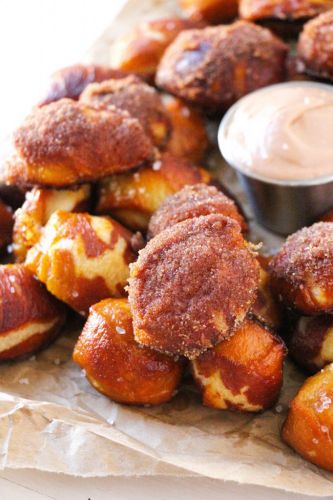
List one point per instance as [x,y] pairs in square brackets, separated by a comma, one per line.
[24,381]
[120,330]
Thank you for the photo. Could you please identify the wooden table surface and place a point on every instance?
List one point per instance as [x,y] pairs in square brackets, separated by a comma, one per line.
[37,37]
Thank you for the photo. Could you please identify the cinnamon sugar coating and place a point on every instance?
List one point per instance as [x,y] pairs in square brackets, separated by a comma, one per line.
[68,142]
[215,66]
[192,285]
[72,80]
[138,98]
[315,45]
[286,10]
[193,201]
[116,365]
[29,316]
[302,271]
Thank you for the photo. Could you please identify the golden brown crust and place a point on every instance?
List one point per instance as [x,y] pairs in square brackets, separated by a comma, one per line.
[6,225]
[72,80]
[188,136]
[82,259]
[302,272]
[308,428]
[242,373]
[29,316]
[141,49]
[215,66]
[287,10]
[38,208]
[133,197]
[315,45]
[190,202]
[68,142]
[212,11]
[311,343]
[192,285]
[116,365]
[139,99]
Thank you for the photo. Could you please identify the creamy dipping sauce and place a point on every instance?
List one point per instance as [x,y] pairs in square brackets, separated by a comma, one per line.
[283,132]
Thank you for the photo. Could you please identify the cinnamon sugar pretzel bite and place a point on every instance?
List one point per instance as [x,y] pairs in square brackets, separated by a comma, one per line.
[133,197]
[315,45]
[139,99]
[82,259]
[69,142]
[192,285]
[119,367]
[72,80]
[212,11]
[29,316]
[311,342]
[38,208]
[244,372]
[190,202]
[215,66]
[308,428]
[302,271]
[188,136]
[140,50]
[6,225]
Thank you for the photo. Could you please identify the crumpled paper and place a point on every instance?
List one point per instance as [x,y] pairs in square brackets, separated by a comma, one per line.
[51,419]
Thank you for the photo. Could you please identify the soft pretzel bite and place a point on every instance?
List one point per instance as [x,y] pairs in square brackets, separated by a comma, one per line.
[140,50]
[38,208]
[68,142]
[315,45]
[192,285]
[132,198]
[311,342]
[265,307]
[116,365]
[82,259]
[190,202]
[302,271]
[6,225]
[138,98]
[29,316]
[72,80]
[283,10]
[215,66]
[308,428]
[244,372]
[212,11]
[188,136]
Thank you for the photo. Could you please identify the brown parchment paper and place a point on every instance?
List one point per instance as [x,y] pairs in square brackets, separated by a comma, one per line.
[51,419]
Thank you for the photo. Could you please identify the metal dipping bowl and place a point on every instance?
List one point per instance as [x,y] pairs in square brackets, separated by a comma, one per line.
[281,206]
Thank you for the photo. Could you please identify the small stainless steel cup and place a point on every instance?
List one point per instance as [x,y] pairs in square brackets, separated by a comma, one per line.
[281,206]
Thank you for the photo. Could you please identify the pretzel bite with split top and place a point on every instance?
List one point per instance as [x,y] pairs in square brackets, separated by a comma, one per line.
[140,50]
[116,365]
[315,45]
[69,142]
[82,259]
[38,207]
[244,372]
[192,285]
[215,66]
[302,270]
[72,80]
[188,136]
[283,10]
[29,316]
[190,202]
[308,428]
[6,225]
[311,342]
[212,11]
[133,197]
[138,98]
